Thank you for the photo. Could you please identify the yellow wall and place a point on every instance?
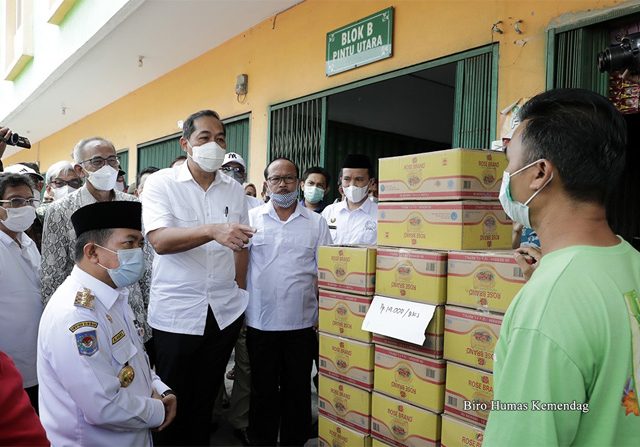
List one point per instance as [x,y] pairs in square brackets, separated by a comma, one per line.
[284,58]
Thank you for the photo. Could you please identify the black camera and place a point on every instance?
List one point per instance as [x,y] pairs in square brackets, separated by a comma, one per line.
[17,140]
[621,56]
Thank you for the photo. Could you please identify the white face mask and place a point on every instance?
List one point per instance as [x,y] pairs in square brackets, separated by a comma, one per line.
[19,219]
[518,212]
[62,192]
[209,156]
[356,194]
[104,179]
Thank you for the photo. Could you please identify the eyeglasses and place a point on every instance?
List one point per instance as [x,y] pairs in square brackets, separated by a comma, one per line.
[19,202]
[59,183]
[289,179]
[232,168]
[98,162]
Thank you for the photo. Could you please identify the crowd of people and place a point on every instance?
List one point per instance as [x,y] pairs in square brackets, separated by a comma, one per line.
[121,311]
[126,304]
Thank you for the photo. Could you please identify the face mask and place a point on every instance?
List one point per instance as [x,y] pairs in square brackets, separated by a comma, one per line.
[209,156]
[63,191]
[130,269]
[19,219]
[284,200]
[104,179]
[356,194]
[120,187]
[313,194]
[518,212]
[237,176]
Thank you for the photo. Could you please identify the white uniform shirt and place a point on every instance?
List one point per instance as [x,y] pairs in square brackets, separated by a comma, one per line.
[359,226]
[283,269]
[254,202]
[184,284]
[81,350]
[21,303]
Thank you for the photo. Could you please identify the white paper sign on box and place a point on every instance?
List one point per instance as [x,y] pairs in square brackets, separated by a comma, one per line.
[404,320]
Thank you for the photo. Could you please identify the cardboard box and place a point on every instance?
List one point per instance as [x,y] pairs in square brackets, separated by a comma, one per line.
[347,268]
[377,443]
[410,378]
[342,314]
[332,434]
[345,404]
[462,225]
[433,345]
[415,275]
[347,360]
[442,175]
[470,385]
[488,280]
[401,424]
[470,336]
[457,433]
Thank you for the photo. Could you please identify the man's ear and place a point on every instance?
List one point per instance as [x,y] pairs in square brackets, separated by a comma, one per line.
[184,145]
[326,190]
[89,252]
[78,170]
[543,172]
[302,185]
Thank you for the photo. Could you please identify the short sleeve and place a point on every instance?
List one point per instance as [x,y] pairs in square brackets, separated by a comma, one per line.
[156,209]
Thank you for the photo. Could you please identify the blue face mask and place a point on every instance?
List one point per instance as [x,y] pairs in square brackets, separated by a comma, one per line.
[131,266]
[518,212]
[313,194]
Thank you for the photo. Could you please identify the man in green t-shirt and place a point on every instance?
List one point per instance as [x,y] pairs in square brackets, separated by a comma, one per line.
[567,363]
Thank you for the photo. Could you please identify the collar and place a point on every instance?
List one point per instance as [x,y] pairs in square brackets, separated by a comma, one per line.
[86,198]
[184,175]
[319,210]
[365,207]
[270,209]
[7,240]
[105,293]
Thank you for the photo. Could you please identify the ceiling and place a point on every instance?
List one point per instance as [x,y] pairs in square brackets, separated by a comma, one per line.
[168,33]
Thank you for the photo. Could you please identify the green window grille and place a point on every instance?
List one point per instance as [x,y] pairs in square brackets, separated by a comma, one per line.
[160,153]
[574,55]
[237,134]
[474,104]
[297,132]
[124,160]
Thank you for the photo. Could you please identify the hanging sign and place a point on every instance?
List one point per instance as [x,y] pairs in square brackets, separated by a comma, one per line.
[360,43]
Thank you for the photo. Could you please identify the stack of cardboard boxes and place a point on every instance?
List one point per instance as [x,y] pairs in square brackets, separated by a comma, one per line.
[346,277]
[430,204]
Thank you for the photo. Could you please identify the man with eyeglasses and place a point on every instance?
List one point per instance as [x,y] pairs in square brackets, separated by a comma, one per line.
[196,219]
[97,163]
[20,299]
[235,167]
[61,180]
[283,309]
[354,220]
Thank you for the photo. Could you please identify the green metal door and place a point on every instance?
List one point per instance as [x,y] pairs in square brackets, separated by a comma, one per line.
[124,160]
[159,153]
[475,106]
[237,134]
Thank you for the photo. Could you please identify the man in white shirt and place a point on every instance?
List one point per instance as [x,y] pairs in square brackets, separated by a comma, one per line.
[96,386]
[96,161]
[20,299]
[235,167]
[196,219]
[354,220]
[283,309]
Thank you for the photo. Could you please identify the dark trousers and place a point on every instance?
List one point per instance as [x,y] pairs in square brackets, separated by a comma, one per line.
[32,392]
[280,386]
[193,366]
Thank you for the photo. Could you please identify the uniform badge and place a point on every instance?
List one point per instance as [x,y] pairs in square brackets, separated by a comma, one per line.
[82,324]
[109,318]
[116,338]
[139,328]
[126,375]
[87,343]
[333,220]
[84,298]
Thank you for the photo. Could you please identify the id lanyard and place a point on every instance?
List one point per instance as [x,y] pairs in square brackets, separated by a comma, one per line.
[633,306]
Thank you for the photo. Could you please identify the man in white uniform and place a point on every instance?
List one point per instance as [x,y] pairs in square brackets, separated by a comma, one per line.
[283,309]
[19,279]
[196,219]
[354,220]
[96,384]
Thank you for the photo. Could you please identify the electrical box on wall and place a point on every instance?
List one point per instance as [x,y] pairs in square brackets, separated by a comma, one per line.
[242,82]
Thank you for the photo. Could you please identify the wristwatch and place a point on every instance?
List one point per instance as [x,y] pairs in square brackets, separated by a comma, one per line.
[167,393]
